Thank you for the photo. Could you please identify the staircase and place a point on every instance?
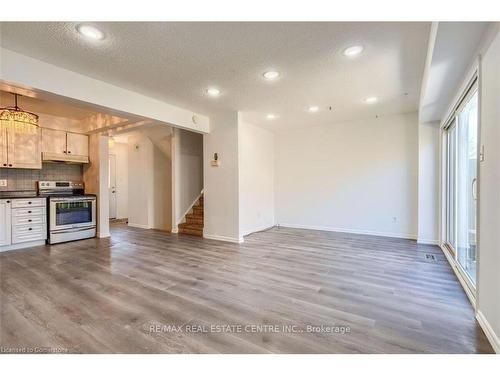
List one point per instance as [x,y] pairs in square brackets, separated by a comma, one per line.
[193,224]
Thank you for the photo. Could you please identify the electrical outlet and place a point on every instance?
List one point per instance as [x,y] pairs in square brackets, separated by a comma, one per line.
[3,183]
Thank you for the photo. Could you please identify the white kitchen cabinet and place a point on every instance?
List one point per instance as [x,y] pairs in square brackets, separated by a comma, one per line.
[23,223]
[78,145]
[3,147]
[59,145]
[20,148]
[5,222]
[53,144]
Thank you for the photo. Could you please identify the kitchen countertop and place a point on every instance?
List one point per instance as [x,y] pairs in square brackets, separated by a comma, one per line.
[18,194]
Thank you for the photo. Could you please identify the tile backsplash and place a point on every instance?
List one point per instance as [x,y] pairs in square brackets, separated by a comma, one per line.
[25,179]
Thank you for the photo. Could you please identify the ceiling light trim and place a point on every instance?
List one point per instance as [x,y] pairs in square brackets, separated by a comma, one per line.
[353,51]
[90,32]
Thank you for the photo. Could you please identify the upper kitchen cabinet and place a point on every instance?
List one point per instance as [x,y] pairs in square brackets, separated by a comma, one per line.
[78,147]
[3,147]
[20,147]
[58,145]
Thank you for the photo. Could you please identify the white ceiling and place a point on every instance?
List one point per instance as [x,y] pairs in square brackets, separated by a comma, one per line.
[455,47]
[176,62]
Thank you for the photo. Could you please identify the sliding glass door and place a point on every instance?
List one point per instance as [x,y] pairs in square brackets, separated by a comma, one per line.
[461,184]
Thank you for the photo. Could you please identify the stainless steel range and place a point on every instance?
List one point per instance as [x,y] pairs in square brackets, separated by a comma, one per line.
[71,213]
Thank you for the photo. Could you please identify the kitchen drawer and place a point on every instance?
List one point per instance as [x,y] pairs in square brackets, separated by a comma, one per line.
[29,202]
[29,220]
[26,233]
[32,211]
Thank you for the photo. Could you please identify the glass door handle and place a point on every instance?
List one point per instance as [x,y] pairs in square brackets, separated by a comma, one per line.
[474,188]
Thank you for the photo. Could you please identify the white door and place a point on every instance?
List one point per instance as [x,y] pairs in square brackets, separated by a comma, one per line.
[112,186]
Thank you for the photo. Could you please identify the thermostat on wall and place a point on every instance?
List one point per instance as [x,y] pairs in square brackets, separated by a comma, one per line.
[215,162]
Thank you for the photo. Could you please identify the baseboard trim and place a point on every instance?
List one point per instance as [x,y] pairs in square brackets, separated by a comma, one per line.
[175,230]
[223,238]
[22,245]
[258,229]
[346,230]
[488,331]
[454,267]
[103,235]
[428,242]
[142,226]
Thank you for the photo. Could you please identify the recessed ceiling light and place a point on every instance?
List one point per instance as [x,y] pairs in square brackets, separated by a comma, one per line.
[213,92]
[271,116]
[313,108]
[271,75]
[371,100]
[90,32]
[353,51]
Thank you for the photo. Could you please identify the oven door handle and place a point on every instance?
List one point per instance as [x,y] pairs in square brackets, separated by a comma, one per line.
[92,199]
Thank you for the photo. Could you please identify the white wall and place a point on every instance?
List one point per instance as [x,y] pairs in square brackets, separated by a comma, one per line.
[428,183]
[27,72]
[489,194]
[95,177]
[358,176]
[162,186]
[256,178]
[221,183]
[188,170]
[120,150]
[150,179]
[140,181]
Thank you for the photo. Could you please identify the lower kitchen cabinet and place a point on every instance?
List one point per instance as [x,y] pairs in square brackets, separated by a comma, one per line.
[23,222]
[5,222]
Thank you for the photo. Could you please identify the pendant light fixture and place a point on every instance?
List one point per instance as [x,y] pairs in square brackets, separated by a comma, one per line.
[15,117]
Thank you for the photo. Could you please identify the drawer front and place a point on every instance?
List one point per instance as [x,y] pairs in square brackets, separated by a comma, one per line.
[29,220]
[29,202]
[32,211]
[26,233]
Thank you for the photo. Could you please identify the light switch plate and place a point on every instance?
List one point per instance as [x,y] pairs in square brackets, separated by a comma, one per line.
[3,183]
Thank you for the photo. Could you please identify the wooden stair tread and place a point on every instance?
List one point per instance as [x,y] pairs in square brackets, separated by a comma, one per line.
[194,222]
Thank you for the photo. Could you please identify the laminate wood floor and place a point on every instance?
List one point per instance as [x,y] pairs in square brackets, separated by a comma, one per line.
[146,291]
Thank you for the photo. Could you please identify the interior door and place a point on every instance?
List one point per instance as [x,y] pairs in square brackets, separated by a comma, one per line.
[112,186]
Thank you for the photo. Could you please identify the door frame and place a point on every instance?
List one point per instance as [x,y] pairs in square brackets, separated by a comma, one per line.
[110,156]
[473,78]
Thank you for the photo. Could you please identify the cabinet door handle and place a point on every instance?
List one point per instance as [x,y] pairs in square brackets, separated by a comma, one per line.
[29,212]
[29,220]
[4,164]
[29,202]
[30,228]
[64,151]
[8,201]
[69,152]
[10,165]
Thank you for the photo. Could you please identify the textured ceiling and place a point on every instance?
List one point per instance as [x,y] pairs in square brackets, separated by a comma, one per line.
[176,62]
